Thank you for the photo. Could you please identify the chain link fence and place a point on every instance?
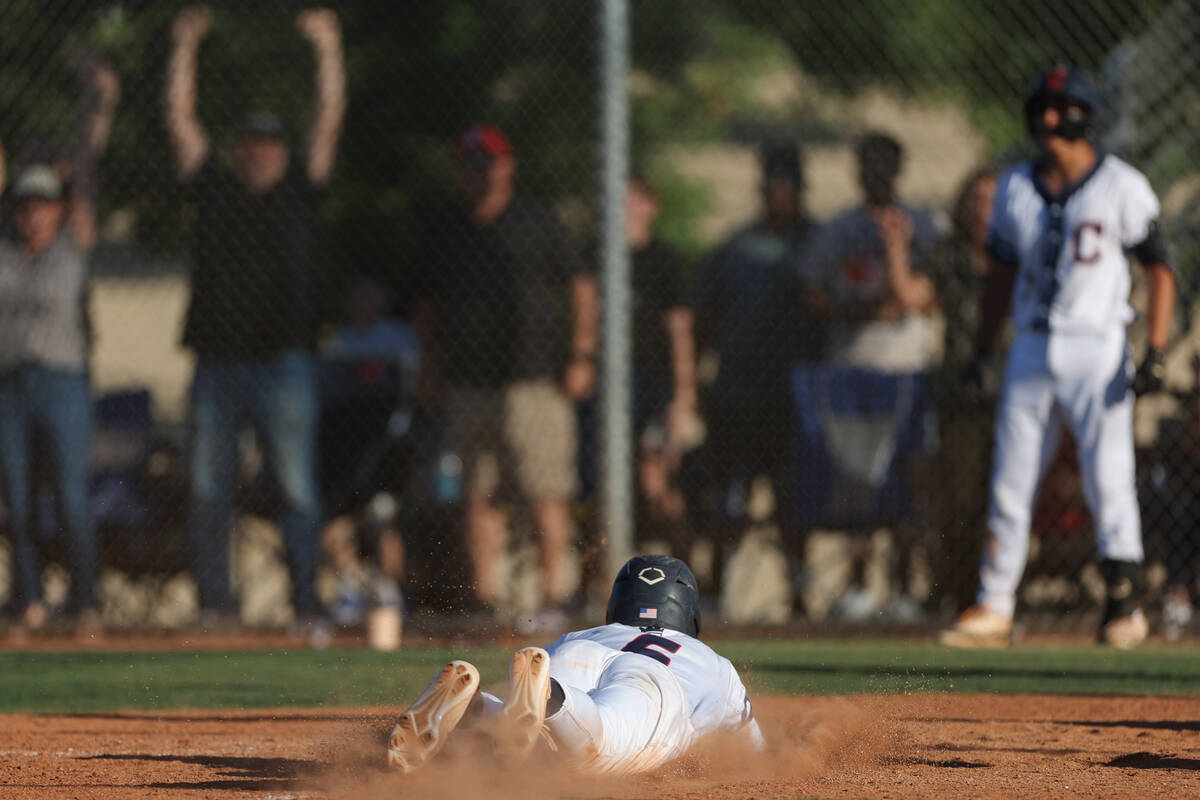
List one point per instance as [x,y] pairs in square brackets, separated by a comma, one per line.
[345,319]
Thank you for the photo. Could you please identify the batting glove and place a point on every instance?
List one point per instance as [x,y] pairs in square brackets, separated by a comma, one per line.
[1150,374]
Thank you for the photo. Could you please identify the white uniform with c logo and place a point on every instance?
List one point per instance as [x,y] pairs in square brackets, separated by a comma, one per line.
[1069,363]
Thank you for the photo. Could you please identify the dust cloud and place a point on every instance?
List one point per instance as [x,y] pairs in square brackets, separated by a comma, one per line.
[804,740]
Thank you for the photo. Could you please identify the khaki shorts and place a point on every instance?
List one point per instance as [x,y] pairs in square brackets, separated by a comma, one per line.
[522,435]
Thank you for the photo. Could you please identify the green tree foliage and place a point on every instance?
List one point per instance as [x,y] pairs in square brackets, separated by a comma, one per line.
[973,51]
[419,72]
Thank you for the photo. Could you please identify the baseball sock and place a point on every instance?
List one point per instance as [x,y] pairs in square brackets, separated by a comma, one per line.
[1120,580]
[555,700]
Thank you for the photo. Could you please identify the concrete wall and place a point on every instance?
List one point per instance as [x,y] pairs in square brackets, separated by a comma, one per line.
[137,322]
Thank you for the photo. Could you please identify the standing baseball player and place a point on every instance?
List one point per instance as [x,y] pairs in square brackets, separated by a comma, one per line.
[621,698]
[1060,230]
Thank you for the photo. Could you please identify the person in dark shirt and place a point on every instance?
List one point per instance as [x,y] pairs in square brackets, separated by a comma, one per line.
[507,317]
[752,314]
[664,370]
[252,318]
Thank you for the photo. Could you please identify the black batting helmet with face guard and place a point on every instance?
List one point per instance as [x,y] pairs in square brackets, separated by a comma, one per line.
[1072,92]
[658,592]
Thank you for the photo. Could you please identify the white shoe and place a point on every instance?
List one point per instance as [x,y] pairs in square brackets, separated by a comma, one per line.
[856,604]
[1176,614]
[979,626]
[905,610]
[424,727]
[1126,632]
[521,722]
[317,632]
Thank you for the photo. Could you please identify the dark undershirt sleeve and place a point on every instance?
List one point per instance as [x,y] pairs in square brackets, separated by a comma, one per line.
[1153,249]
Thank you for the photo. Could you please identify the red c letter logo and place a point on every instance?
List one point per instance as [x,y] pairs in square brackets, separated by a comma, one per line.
[1092,245]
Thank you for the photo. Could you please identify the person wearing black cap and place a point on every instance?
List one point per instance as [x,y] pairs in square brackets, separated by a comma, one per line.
[869,259]
[751,313]
[871,264]
[44,358]
[252,318]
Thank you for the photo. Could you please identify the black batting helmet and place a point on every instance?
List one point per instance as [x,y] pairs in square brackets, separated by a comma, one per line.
[656,591]
[1070,88]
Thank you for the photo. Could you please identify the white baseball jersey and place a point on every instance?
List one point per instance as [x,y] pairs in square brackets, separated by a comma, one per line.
[639,697]
[1070,251]
[1069,363]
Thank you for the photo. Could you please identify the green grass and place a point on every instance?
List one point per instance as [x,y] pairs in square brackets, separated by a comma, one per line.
[108,681]
[895,666]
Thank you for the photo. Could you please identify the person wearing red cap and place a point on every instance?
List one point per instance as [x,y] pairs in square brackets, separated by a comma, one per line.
[497,275]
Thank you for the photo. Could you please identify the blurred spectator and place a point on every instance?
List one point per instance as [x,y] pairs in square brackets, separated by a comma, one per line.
[871,263]
[496,272]
[752,314]
[369,364]
[372,331]
[44,354]
[1169,495]
[252,317]
[664,371]
[959,488]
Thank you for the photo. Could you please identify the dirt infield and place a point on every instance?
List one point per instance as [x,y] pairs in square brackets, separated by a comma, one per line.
[940,746]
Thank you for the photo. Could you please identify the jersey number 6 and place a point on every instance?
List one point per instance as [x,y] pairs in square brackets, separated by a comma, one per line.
[646,641]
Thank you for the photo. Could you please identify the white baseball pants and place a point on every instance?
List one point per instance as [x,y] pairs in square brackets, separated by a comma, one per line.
[623,712]
[1052,380]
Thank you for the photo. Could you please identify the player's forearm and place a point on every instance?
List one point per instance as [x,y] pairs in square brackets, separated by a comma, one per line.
[107,87]
[98,104]
[1160,304]
[585,316]
[83,222]
[683,354]
[914,291]
[324,32]
[189,142]
[330,111]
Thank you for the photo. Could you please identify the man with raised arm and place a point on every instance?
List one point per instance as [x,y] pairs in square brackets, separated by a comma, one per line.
[252,319]
[45,346]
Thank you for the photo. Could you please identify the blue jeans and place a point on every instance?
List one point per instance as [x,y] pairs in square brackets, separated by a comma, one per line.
[56,402]
[279,397]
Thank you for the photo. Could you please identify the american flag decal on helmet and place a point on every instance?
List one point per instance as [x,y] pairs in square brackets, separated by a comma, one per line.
[647,613]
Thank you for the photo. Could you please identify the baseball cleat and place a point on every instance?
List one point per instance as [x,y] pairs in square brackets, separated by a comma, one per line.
[978,626]
[1126,632]
[424,727]
[520,723]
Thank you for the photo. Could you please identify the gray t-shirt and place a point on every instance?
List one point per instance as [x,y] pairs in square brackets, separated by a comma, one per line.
[846,258]
[42,305]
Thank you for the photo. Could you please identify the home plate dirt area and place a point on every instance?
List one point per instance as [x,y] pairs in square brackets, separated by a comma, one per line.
[907,746]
